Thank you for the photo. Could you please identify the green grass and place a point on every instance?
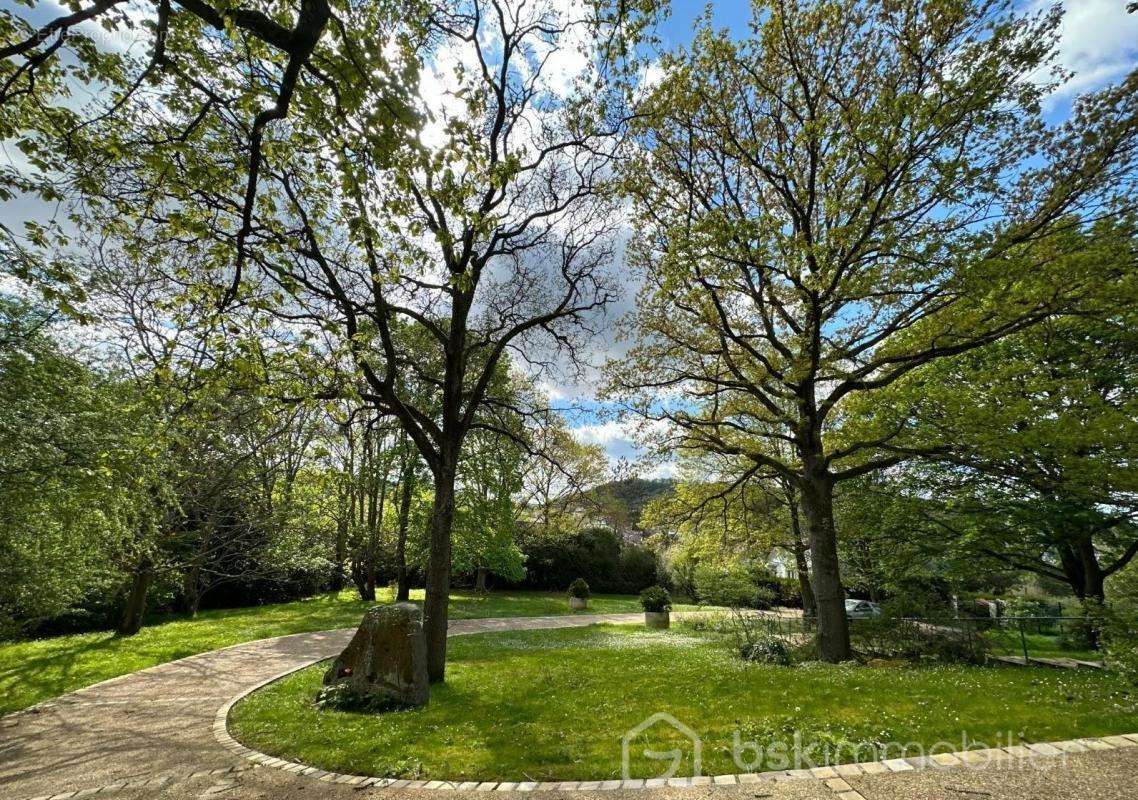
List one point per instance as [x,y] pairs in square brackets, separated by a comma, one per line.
[32,671]
[553,705]
[1039,645]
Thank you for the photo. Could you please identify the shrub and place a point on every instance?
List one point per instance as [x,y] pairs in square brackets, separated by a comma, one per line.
[732,586]
[1120,624]
[595,554]
[766,649]
[578,588]
[1120,643]
[1032,607]
[789,593]
[915,600]
[343,697]
[656,598]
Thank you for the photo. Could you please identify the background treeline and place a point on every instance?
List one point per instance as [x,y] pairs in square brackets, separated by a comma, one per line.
[150,465]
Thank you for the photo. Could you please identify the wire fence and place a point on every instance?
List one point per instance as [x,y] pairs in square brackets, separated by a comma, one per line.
[967,638]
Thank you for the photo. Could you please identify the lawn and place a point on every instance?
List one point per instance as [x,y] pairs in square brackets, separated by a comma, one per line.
[32,671]
[554,705]
[1010,643]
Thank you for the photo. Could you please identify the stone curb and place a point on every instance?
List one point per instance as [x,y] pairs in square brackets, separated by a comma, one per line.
[832,776]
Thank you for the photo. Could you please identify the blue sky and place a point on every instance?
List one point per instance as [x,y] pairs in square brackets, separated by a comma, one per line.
[1099,44]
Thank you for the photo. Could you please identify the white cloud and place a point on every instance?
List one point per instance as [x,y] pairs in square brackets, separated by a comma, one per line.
[603,433]
[1098,42]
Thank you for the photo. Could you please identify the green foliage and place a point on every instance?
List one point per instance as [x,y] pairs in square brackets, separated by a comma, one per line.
[345,697]
[1036,439]
[943,640]
[706,522]
[622,502]
[731,585]
[596,554]
[75,456]
[789,593]
[579,589]
[656,598]
[485,527]
[1119,624]
[918,599]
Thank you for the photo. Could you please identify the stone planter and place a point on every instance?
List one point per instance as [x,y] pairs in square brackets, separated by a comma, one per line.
[578,603]
[661,620]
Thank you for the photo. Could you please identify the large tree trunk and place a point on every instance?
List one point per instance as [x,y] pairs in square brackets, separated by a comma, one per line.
[1094,581]
[480,579]
[135,609]
[1081,567]
[438,573]
[833,628]
[402,589]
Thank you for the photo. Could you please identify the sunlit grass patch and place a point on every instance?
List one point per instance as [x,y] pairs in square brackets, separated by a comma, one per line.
[555,704]
[32,671]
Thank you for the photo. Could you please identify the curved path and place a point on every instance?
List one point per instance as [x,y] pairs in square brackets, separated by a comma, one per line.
[151,734]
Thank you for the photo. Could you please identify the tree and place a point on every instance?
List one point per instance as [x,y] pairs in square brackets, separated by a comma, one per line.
[557,477]
[207,64]
[73,458]
[853,191]
[1038,441]
[723,511]
[420,270]
[226,437]
[485,520]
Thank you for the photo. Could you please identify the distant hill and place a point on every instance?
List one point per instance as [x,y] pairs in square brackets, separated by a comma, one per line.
[626,499]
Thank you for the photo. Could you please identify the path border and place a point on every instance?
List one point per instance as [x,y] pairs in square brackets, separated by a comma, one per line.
[833,776]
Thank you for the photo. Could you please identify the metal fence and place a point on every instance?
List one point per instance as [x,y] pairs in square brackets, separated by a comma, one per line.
[1022,638]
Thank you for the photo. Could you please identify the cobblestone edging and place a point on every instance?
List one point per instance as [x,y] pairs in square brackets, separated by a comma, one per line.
[833,777]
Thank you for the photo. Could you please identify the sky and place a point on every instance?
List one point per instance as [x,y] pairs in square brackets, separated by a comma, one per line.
[1099,44]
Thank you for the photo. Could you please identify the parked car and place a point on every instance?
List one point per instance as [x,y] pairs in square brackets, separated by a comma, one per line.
[862,609]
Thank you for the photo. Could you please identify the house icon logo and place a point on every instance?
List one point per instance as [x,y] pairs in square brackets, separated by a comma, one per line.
[675,756]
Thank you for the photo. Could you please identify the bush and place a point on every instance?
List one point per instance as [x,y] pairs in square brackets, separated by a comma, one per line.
[732,586]
[789,593]
[656,598]
[1032,607]
[578,588]
[1120,643]
[766,650]
[1081,633]
[343,697]
[1120,624]
[595,554]
[918,600]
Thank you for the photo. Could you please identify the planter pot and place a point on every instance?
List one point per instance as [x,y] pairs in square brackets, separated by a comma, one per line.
[578,603]
[661,620]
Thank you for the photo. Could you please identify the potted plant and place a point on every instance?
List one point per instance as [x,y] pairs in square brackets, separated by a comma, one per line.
[657,605]
[579,595]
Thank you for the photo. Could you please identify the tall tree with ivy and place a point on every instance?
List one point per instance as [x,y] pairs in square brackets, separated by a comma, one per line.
[850,191]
